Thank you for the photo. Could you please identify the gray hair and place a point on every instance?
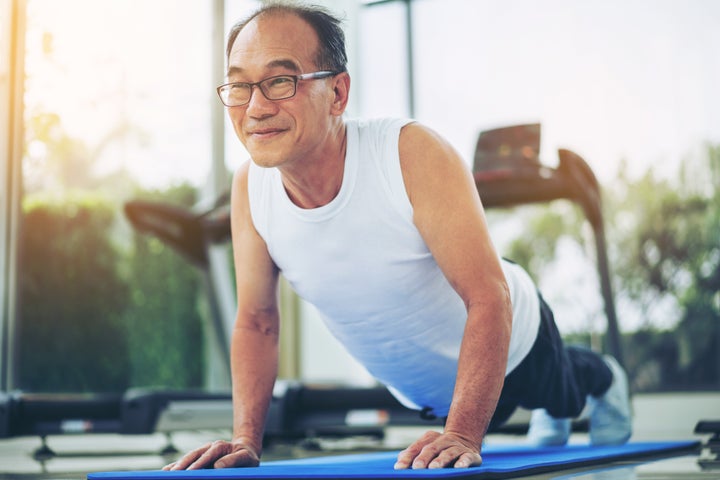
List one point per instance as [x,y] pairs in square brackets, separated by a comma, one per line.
[331,53]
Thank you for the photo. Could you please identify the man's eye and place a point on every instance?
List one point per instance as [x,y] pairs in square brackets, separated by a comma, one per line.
[280,81]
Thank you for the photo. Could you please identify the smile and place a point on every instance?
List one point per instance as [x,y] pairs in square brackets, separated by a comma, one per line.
[265,133]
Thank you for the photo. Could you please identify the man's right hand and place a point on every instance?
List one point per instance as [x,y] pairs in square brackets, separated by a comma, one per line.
[219,454]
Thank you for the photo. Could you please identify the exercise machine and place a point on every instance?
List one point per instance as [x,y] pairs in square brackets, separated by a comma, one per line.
[508,173]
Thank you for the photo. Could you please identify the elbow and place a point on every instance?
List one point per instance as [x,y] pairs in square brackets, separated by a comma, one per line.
[504,305]
[494,302]
[265,322]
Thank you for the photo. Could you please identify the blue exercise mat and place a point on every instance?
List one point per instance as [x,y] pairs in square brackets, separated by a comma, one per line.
[498,462]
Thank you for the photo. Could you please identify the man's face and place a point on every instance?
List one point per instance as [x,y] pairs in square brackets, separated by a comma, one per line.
[278,132]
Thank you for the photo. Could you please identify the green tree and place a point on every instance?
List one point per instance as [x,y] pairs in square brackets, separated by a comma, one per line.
[664,249]
[163,323]
[102,308]
[53,159]
[72,298]
[544,226]
[667,236]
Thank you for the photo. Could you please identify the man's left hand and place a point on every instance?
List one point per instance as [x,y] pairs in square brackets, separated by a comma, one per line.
[440,450]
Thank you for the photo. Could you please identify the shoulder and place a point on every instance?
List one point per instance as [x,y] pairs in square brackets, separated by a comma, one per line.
[429,162]
[378,131]
[378,124]
[240,181]
[420,143]
[250,180]
[239,198]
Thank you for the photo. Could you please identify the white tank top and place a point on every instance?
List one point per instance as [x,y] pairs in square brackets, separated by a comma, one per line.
[362,263]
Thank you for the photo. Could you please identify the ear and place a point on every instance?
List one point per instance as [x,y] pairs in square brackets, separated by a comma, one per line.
[341,91]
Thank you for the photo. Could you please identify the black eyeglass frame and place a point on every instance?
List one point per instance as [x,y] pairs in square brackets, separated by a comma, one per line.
[295,78]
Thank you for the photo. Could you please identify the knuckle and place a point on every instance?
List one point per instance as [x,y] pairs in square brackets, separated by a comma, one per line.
[200,450]
[410,452]
[431,448]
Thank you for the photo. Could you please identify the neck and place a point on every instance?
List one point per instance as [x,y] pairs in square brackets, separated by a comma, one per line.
[316,180]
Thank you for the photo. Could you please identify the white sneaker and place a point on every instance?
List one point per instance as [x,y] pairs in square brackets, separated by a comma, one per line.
[611,414]
[547,431]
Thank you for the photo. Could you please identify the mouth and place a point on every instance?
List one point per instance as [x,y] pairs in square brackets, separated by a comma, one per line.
[265,133]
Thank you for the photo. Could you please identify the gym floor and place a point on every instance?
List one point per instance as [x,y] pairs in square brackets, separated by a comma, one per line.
[657,417]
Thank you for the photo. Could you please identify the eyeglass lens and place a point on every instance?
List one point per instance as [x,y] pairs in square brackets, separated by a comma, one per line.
[274,88]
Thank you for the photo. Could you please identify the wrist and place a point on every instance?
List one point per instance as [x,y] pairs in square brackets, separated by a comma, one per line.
[469,430]
[249,442]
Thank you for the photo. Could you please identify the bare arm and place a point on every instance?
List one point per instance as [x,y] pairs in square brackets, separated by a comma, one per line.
[449,215]
[254,347]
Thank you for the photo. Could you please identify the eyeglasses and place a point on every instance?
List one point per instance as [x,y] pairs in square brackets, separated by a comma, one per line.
[279,87]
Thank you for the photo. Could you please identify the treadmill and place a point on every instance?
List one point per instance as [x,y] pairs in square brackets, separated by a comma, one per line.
[508,173]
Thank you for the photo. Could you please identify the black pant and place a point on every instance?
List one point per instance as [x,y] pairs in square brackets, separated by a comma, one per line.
[552,376]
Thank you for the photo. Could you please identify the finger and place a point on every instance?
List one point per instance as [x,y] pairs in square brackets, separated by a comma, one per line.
[427,455]
[169,466]
[445,457]
[406,457]
[188,458]
[445,452]
[467,460]
[211,455]
[242,458]
[457,457]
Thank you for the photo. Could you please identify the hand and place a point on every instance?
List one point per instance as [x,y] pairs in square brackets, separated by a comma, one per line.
[219,454]
[440,450]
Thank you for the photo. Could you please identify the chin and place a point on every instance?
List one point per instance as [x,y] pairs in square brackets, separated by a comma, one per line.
[265,161]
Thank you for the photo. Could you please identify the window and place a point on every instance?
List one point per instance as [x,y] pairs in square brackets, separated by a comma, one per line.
[117,107]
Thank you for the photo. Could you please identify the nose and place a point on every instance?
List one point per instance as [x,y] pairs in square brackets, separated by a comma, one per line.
[259,106]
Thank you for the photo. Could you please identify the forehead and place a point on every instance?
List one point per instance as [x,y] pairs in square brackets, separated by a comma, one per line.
[273,40]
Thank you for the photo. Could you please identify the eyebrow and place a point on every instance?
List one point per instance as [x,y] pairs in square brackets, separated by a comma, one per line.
[280,63]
